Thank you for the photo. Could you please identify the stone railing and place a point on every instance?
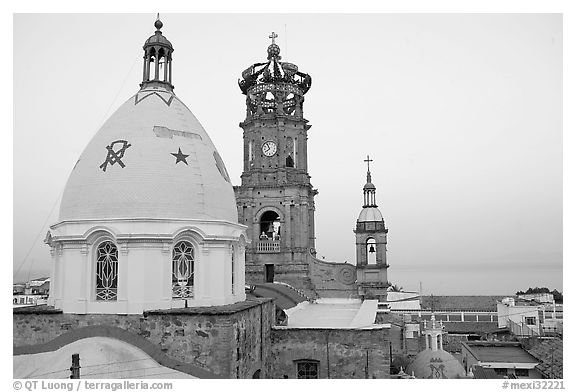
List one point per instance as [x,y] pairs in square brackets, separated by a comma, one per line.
[268,246]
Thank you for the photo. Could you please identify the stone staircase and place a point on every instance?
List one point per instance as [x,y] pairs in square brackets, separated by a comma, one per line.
[285,296]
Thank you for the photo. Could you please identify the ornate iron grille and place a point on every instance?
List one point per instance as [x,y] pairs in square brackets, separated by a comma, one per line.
[107,272]
[307,369]
[183,270]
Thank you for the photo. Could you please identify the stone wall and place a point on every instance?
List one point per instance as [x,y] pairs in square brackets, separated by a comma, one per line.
[341,353]
[232,341]
[333,280]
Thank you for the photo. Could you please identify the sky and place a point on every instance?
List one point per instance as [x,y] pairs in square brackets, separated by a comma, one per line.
[461,113]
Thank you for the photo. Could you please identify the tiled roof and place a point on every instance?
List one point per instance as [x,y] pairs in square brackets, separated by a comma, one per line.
[485,373]
[462,302]
[550,354]
[477,327]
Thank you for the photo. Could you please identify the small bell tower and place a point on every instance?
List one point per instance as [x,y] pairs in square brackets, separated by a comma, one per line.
[371,240]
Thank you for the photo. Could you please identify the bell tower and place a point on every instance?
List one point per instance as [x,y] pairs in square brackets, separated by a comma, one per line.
[371,239]
[275,199]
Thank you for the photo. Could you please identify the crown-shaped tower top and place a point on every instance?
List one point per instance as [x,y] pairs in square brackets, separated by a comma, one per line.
[274,87]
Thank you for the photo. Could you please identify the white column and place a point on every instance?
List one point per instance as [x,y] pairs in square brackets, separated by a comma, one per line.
[166,268]
[123,273]
[85,275]
[434,342]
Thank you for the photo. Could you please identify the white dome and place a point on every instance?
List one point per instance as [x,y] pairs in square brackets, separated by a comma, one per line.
[147,179]
[370,214]
[436,364]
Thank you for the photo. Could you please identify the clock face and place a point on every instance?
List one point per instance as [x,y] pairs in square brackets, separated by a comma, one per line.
[269,148]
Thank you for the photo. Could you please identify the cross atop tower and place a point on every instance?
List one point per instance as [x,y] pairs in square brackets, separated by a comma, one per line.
[368,160]
[273,36]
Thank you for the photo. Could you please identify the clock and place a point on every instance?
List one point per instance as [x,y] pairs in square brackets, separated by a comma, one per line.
[269,148]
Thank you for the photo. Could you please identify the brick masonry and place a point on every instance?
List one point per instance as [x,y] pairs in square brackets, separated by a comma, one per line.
[341,353]
[230,341]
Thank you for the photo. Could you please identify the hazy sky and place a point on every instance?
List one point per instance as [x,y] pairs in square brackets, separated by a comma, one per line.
[462,114]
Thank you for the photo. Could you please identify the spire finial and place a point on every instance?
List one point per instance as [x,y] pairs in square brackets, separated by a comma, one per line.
[158,24]
[368,160]
[368,176]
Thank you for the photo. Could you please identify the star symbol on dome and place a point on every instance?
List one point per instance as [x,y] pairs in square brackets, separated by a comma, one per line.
[180,157]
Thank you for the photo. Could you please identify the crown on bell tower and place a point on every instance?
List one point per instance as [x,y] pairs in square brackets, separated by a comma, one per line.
[158,50]
[274,87]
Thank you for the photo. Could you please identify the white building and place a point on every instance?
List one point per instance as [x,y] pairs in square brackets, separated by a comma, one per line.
[148,218]
[522,318]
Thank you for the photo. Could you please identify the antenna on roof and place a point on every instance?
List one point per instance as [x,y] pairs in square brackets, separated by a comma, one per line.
[285,40]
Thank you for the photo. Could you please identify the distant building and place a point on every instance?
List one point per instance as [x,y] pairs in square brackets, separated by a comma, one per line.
[38,286]
[31,293]
[528,318]
[508,359]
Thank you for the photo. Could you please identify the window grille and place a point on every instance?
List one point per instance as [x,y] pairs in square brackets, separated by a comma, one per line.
[107,272]
[530,320]
[183,270]
[307,369]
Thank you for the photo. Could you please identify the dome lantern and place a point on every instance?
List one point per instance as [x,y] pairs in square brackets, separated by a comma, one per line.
[157,70]
[369,188]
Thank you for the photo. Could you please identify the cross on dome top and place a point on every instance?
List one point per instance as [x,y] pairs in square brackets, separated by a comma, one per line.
[273,36]
[368,160]
[368,175]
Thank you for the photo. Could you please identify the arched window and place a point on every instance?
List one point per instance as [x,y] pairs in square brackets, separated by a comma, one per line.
[107,271]
[270,226]
[183,270]
[371,251]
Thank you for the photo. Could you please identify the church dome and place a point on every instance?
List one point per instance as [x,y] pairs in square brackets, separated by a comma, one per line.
[151,159]
[436,364]
[370,214]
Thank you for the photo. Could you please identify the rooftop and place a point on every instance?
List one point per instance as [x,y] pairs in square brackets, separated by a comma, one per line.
[206,310]
[462,302]
[499,352]
[478,327]
[550,353]
[333,313]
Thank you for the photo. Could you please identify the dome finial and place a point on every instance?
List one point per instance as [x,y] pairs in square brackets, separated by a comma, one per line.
[273,49]
[158,24]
